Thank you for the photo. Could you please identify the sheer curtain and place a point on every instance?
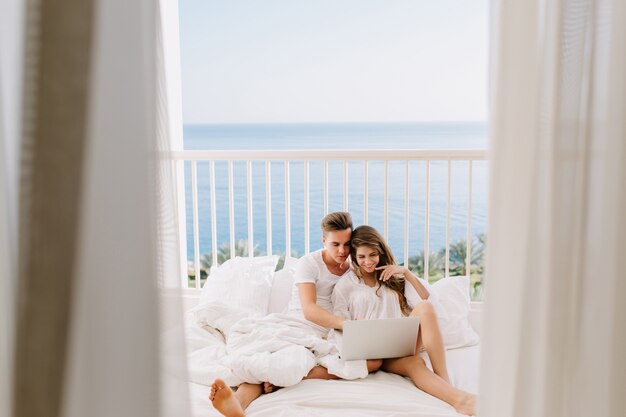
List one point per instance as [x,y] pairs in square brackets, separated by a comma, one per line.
[7,290]
[554,338]
[11,26]
[98,221]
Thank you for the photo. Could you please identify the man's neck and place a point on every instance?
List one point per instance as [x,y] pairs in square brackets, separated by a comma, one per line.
[330,262]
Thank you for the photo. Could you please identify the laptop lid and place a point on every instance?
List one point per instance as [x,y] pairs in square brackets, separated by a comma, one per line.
[378,339]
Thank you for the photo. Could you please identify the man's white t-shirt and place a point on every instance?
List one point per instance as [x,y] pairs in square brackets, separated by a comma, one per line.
[312,269]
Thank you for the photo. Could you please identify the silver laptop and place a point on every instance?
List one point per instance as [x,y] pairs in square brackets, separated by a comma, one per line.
[378,339]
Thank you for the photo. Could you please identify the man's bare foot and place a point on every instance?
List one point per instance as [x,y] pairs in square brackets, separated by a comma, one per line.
[466,405]
[224,400]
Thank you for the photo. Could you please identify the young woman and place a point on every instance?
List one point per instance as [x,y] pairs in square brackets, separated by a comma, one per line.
[374,289]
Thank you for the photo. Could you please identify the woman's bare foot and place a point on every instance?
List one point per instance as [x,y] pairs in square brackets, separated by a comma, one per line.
[466,404]
[224,400]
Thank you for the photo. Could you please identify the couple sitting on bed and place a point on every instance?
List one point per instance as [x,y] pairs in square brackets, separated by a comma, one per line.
[328,292]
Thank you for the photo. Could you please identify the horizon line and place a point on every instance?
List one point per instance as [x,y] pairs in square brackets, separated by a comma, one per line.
[335,122]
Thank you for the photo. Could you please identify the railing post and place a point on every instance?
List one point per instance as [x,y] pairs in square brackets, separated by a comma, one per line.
[287,212]
[468,247]
[306,207]
[406,214]
[386,202]
[250,210]
[365,188]
[345,185]
[213,217]
[231,208]
[325,188]
[427,224]
[196,231]
[268,205]
[447,271]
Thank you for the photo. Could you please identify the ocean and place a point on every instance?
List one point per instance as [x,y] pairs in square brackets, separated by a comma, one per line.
[435,135]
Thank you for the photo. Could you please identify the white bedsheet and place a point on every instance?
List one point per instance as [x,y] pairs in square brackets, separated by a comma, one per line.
[379,395]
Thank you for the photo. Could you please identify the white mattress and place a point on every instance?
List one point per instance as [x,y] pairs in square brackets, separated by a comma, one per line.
[380,394]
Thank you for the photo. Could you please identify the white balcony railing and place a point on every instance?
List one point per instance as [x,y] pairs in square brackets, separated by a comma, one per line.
[339,171]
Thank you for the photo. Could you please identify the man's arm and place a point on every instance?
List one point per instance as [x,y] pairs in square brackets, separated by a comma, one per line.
[315,313]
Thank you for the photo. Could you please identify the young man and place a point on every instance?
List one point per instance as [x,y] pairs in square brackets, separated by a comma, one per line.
[318,272]
[314,279]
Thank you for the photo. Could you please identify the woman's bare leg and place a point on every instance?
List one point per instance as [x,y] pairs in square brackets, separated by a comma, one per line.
[374,365]
[319,372]
[415,368]
[233,404]
[430,336]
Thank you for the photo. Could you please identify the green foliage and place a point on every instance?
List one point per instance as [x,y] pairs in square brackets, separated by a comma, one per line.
[458,266]
[458,256]
[436,262]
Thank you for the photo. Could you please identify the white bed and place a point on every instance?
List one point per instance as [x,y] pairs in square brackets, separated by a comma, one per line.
[379,394]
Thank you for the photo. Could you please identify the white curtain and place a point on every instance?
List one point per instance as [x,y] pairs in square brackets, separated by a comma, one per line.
[7,290]
[113,356]
[119,361]
[11,29]
[554,333]
[127,352]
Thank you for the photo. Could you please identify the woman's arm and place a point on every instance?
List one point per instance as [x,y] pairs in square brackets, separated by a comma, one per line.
[315,313]
[390,270]
[419,287]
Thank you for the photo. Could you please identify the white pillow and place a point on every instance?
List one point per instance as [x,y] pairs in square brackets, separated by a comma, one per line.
[242,282]
[453,298]
[216,315]
[282,287]
[450,298]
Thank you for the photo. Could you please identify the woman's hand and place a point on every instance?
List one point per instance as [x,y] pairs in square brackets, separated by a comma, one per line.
[390,270]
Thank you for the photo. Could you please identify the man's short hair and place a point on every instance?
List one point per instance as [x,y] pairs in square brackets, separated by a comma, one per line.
[339,220]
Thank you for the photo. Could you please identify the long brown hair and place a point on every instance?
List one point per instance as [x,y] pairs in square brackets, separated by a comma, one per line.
[368,236]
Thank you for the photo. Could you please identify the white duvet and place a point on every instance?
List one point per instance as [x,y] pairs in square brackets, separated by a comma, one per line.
[281,349]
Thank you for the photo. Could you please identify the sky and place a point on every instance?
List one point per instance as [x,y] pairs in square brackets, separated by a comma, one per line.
[290,61]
